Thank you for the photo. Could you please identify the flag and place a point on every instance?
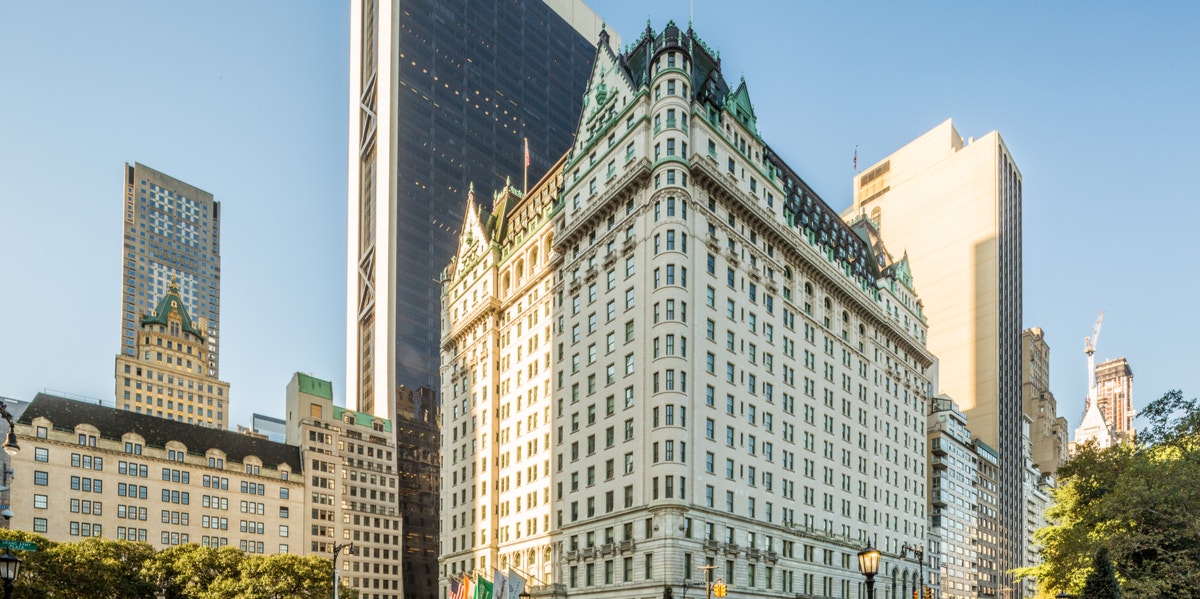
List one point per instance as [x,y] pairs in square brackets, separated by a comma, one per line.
[500,582]
[455,589]
[465,591]
[855,157]
[527,161]
[483,587]
[516,584]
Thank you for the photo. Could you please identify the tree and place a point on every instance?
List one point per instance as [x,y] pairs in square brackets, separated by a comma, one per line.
[107,569]
[37,567]
[186,571]
[282,576]
[1139,502]
[1102,582]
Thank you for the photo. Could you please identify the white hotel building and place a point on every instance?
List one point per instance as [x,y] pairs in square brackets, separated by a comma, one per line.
[672,354]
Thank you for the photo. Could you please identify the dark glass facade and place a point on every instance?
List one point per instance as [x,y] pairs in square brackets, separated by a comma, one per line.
[418,441]
[476,77]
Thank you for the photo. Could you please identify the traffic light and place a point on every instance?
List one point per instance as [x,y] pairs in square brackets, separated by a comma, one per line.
[928,593]
[719,589]
[916,594]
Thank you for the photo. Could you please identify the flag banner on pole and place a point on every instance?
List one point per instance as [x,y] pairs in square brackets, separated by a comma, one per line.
[483,587]
[466,587]
[455,589]
[516,584]
[527,160]
[500,585]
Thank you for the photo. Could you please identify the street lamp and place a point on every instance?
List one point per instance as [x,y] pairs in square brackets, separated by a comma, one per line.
[524,595]
[349,549]
[10,566]
[868,564]
[10,440]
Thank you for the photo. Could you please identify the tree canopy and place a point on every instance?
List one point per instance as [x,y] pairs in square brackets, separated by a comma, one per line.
[126,569]
[1138,501]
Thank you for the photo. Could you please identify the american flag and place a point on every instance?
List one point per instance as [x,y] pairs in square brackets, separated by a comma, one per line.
[527,152]
[455,589]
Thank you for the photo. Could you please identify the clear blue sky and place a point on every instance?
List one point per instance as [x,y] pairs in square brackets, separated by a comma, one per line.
[1097,101]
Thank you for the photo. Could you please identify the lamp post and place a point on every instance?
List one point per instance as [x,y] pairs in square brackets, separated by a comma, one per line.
[868,564]
[349,549]
[10,440]
[920,554]
[10,566]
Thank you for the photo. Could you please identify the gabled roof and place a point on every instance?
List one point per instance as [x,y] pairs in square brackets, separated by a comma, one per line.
[171,302]
[739,104]
[66,414]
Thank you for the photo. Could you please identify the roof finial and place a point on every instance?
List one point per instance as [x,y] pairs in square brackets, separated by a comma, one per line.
[173,287]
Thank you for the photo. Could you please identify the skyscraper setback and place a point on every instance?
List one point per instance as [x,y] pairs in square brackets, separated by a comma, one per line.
[441,93]
[172,232]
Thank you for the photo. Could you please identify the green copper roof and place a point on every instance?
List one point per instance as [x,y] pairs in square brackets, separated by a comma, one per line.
[361,419]
[172,301]
[739,104]
[315,386]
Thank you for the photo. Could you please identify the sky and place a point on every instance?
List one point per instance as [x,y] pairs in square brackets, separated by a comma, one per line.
[1097,101]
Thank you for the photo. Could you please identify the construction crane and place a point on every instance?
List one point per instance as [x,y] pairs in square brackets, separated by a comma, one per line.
[1089,348]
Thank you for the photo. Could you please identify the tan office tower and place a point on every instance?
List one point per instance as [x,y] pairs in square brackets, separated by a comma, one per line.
[955,206]
[1114,396]
[172,234]
[1048,433]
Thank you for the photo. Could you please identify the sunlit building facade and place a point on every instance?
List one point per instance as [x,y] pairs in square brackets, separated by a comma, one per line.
[953,479]
[703,367]
[954,205]
[168,375]
[1048,432]
[1114,396]
[350,498]
[497,341]
[86,470]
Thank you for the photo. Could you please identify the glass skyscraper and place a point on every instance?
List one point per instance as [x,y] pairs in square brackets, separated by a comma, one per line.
[172,232]
[443,95]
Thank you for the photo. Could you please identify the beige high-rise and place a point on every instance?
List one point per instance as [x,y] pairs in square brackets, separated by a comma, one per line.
[954,206]
[1048,434]
[1114,395]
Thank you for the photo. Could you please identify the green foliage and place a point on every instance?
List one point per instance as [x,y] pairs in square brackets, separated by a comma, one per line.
[1137,502]
[1102,582]
[99,568]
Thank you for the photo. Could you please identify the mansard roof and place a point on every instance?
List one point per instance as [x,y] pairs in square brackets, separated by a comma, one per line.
[171,302]
[802,205]
[113,424]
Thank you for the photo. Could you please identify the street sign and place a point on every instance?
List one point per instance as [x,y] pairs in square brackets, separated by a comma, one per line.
[18,545]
